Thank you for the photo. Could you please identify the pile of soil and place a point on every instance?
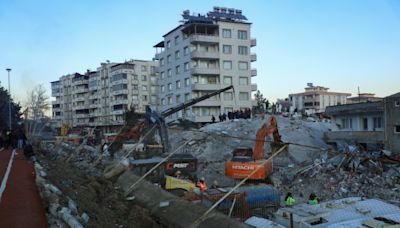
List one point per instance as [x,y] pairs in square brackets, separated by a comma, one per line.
[96,196]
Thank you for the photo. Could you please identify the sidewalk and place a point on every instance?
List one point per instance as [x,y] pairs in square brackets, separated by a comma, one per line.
[20,202]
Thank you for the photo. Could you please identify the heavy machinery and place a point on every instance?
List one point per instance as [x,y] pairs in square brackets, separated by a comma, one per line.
[246,160]
[186,164]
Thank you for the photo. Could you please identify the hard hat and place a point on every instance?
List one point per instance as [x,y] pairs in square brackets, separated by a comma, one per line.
[202,179]
[178,172]
[215,183]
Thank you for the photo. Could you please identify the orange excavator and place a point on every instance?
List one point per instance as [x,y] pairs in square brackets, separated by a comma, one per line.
[246,160]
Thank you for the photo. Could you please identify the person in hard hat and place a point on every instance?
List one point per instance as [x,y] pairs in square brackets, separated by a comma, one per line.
[178,174]
[312,200]
[289,200]
[215,184]
[202,184]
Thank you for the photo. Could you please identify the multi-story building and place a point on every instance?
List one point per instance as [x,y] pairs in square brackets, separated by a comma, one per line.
[203,54]
[363,97]
[100,98]
[367,123]
[315,99]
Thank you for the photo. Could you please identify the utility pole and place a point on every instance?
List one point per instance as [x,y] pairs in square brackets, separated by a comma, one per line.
[9,100]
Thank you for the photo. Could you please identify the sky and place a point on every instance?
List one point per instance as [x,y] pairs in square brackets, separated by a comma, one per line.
[338,44]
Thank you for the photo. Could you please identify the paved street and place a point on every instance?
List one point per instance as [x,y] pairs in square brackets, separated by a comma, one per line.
[20,202]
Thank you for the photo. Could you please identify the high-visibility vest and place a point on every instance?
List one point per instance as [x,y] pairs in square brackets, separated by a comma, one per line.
[290,201]
[313,202]
[202,185]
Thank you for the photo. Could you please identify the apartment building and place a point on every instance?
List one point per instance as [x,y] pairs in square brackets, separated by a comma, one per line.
[315,99]
[206,53]
[363,97]
[375,125]
[99,98]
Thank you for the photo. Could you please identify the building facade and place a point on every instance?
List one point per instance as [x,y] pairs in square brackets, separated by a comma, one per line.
[392,122]
[363,97]
[315,99]
[205,54]
[376,125]
[99,98]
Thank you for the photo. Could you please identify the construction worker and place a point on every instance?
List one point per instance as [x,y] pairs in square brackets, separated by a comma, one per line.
[202,184]
[289,200]
[178,174]
[312,200]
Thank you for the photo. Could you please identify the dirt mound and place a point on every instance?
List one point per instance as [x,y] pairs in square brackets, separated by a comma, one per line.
[95,196]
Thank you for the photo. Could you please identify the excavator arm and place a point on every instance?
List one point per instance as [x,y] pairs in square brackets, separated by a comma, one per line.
[271,127]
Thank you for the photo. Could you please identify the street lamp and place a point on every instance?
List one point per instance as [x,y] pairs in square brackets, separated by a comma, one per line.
[9,101]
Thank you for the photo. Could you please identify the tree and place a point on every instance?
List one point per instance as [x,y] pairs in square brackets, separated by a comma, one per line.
[37,102]
[259,97]
[15,111]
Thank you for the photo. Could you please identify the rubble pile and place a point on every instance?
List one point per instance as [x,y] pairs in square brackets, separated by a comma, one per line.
[212,144]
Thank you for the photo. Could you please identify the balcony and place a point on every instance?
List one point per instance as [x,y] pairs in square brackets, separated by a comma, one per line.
[253,42]
[213,71]
[81,90]
[77,107]
[204,39]
[121,91]
[253,87]
[253,72]
[253,57]
[211,87]
[117,102]
[209,103]
[82,115]
[94,105]
[158,56]
[116,82]
[80,82]
[79,99]
[117,112]
[357,136]
[204,55]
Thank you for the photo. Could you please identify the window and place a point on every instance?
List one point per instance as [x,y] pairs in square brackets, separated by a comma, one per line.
[135,87]
[144,78]
[243,81]
[228,96]
[162,88]
[144,68]
[178,84]
[169,86]
[243,96]
[117,77]
[227,49]
[168,44]
[162,101]
[228,109]
[169,100]
[178,98]
[242,50]
[178,69]
[187,96]
[144,87]
[347,123]
[396,103]
[176,40]
[119,87]
[177,54]
[186,50]
[243,65]
[242,34]
[162,75]
[377,122]
[162,62]
[135,77]
[187,82]
[365,123]
[397,129]
[168,58]
[227,65]
[186,66]
[226,33]
[144,97]
[169,72]
[135,97]
[227,80]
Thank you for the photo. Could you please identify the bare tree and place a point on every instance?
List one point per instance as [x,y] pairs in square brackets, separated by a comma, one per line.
[38,102]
